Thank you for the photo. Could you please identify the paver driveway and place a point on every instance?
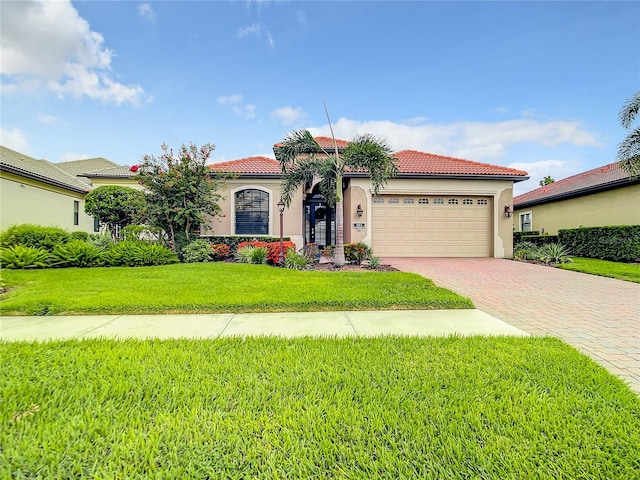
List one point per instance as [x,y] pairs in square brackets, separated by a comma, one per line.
[598,315]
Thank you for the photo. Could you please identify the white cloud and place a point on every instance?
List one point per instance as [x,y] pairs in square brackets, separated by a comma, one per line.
[70,156]
[48,46]
[288,115]
[230,99]
[557,169]
[472,140]
[256,30]
[236,102]
[15,139]
[145,10]
[48,119]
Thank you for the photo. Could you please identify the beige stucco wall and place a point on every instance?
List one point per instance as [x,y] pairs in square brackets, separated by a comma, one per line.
[121,182]
[613,207]
[293,217]
[501,192]
[28,201]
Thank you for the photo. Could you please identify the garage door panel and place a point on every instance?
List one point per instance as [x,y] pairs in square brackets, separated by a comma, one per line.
[418,226]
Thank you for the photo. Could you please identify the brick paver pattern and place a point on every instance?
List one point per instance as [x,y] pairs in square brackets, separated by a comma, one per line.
[599,316]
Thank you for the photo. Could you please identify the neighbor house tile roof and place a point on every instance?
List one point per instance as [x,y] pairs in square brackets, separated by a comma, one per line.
[413,162]
[250,165]
[601,178]
[325,142]
[116,171]
[80,167]
[40,170]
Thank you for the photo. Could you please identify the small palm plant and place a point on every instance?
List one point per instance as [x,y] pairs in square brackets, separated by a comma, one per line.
[553,253]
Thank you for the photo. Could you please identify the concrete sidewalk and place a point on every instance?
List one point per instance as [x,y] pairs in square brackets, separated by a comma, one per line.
[343,323]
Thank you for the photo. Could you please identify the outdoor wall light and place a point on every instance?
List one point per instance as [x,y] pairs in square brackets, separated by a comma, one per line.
[507,211]
[359,211]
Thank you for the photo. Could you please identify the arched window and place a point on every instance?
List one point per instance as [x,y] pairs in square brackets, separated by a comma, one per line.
[252,212]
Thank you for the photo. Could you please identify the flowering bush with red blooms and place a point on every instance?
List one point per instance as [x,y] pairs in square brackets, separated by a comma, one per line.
[134,168]
[273,248]
[220,251]
[357,252]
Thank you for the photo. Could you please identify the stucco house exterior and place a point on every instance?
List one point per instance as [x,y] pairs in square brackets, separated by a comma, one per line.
[602,196]
[436,206]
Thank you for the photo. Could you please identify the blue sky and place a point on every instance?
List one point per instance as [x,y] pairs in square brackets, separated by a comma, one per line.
[532,85]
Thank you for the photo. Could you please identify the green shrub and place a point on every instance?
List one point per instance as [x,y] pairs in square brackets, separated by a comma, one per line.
[616,243]
[518,236]
[538,240]
[357,252]
[259,255]
[553,253]
[76,253]
[525,251]
[103,241]
[296,261]
[138,254]
[35,236]
[78,235]
[312,252]
[374,263]
[197,251]
[244,254]
[329,251]
[21,256]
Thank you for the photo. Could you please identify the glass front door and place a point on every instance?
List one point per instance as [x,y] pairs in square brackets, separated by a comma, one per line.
[319,222]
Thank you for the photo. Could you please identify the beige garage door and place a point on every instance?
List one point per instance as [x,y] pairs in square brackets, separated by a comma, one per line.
[432,226]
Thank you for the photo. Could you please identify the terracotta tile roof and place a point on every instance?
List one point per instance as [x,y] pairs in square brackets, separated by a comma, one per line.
[325,143]
[255,165]
[40,170]
[410,161]
[599,178]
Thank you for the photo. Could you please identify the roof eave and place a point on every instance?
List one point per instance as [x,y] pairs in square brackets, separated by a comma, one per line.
[49,181]
[626,182]
[248,175]
[451,176]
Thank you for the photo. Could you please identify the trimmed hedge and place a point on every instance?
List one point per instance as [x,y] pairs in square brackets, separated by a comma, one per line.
[539,240]
[35,236]
[517,236]
[619,243]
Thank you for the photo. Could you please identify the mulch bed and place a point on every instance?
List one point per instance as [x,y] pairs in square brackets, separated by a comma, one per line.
[347,267]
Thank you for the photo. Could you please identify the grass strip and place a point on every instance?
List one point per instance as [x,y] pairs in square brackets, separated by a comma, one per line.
[386,407]
[216,288]
[622,271]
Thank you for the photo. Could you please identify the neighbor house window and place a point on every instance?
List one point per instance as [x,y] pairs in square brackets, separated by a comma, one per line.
[252,212]
[525,222]
[76,212]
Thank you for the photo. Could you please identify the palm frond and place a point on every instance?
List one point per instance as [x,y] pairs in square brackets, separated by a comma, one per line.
[629,153]
[373,154]
[295,144]
[300,173]
[630,110]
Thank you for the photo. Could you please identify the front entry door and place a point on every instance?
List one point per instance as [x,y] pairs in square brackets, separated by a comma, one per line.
[319,222]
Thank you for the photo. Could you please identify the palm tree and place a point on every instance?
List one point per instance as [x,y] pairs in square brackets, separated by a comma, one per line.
[629,148]
[302,160]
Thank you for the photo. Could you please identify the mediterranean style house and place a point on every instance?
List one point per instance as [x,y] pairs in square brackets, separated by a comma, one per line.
[436,206]
[603,196]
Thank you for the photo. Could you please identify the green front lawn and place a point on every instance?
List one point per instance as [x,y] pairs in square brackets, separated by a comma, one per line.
[215,287]
[605,268]
[480,407]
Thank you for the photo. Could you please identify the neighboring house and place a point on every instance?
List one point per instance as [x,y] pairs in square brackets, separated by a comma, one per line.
[52,194]
[603,196]
[38,192]
[436,206]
